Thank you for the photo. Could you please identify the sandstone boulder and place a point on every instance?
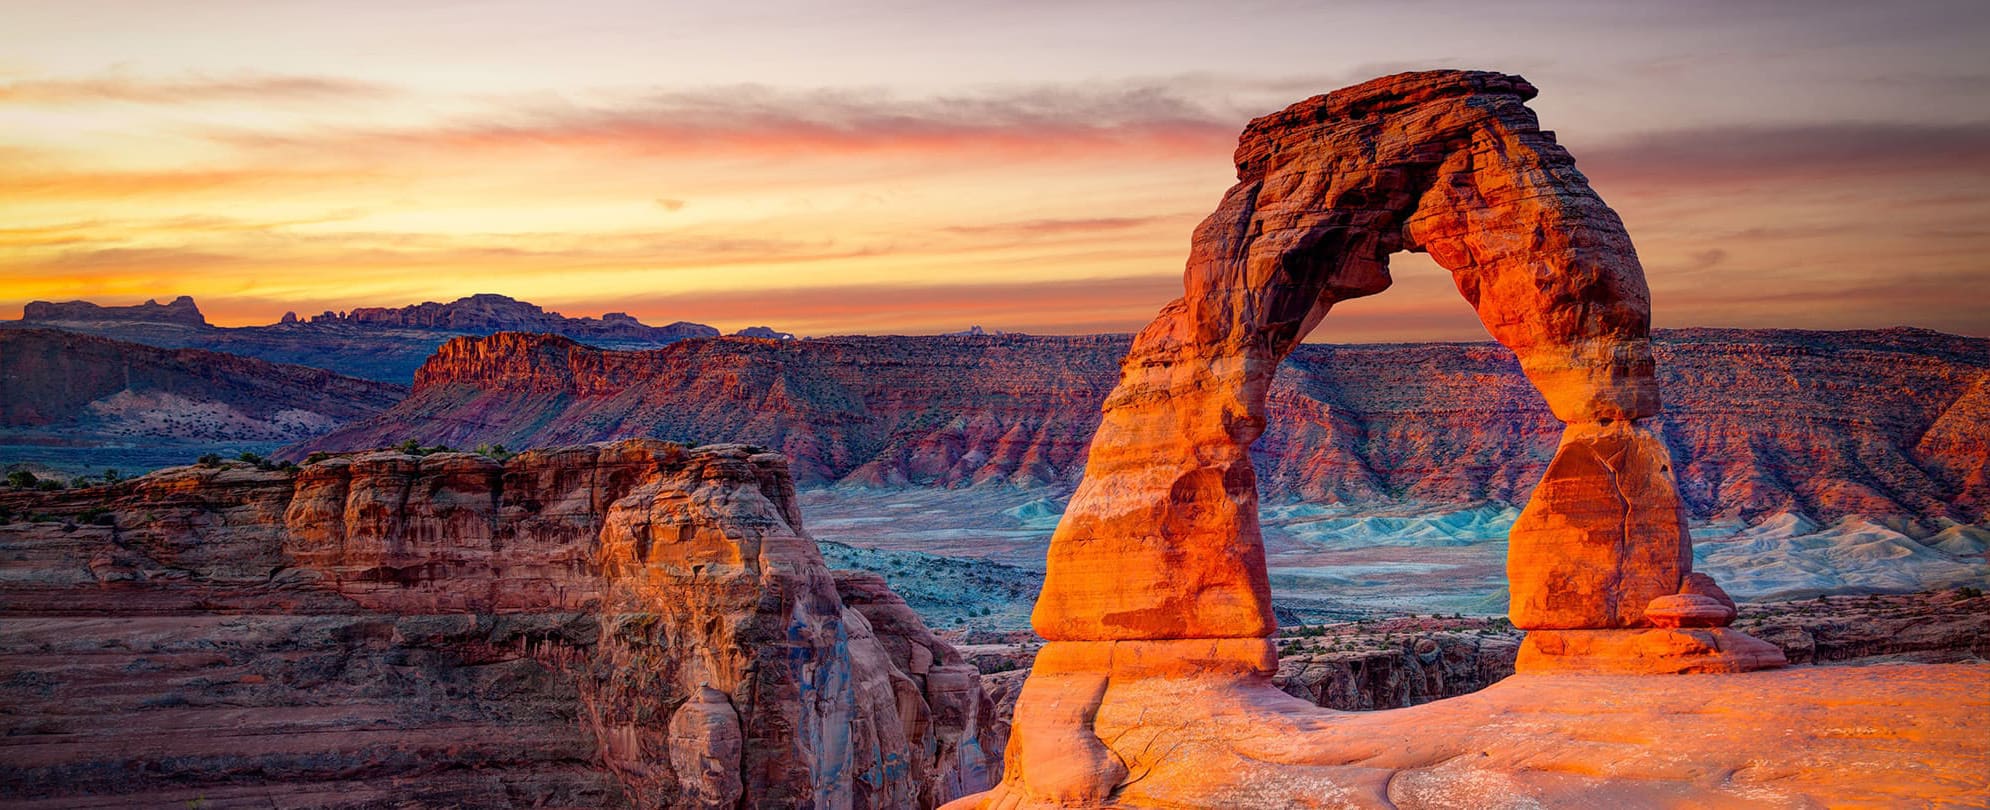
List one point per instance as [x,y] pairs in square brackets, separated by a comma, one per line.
[1688,610]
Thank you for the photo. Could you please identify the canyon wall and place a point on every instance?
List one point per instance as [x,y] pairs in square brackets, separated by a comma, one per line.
[1761,421]
[624,624]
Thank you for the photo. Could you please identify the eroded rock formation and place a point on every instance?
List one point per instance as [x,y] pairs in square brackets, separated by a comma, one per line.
[1160,541]
[634,623]
[1155,689]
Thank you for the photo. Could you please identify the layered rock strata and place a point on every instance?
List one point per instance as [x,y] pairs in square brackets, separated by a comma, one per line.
[1759,420]
[626,624]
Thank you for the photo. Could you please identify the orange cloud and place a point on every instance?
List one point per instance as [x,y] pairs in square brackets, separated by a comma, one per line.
[765,122]
[248,89]
[1695,159]
[110,185]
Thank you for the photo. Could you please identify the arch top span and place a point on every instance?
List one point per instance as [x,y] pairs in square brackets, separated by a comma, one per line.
[1161,538]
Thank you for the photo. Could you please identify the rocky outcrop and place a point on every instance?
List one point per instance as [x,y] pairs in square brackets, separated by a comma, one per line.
[1155,687]
[764,333]
[1756,419]
[181,312]
[626,624]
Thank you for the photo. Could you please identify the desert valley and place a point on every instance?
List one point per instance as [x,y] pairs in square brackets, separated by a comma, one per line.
[429,484]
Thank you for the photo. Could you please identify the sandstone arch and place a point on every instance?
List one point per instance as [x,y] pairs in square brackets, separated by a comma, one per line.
[1154,688]
[1161,541]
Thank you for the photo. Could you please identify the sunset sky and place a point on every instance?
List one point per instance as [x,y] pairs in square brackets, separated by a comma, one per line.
[919,167]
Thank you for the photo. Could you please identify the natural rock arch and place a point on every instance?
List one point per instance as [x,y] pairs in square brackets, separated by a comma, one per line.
[1161,540]
[1155,684]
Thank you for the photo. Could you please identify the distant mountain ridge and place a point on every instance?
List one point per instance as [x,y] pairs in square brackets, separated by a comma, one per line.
[182,311]
[1887,422]
[377,343]
[488,313]
[97,402]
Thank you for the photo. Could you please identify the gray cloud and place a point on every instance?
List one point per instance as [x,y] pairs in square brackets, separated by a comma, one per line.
[1747,154]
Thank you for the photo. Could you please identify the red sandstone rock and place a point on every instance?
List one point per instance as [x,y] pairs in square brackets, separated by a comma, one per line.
[1603,535]
[1688,610]
[1160,540]
[1702,585]
[1215,736]
[1155,689]
[705,751]
[1657,651]
[630,623]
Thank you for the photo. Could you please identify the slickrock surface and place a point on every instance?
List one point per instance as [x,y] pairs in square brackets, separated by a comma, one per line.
[1759,420]
[1409,661]
[627,624]
[1203,728]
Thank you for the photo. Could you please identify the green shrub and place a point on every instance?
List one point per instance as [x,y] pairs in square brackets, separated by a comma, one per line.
[210,460]
[21,479]
[48,485]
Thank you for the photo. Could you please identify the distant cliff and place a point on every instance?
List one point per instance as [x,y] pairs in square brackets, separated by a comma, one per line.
[630,624]
[181,312]
[1888,422]
[375,343]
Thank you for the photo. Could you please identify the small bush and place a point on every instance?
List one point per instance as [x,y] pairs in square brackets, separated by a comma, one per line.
[48,485]
[111,475]
[21,479]
[97,516]
[1968,592]
[210,460]
[317,457]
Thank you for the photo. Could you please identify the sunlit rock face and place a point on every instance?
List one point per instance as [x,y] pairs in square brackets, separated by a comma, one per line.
[1161,540]
[623,624]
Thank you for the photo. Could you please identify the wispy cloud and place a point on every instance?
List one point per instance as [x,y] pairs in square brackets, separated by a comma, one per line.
[995,123]
[1035,228]
[1716,156]
[199,89]
[23,182]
